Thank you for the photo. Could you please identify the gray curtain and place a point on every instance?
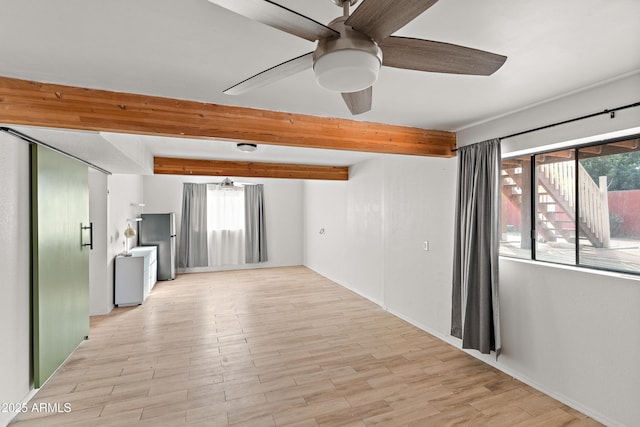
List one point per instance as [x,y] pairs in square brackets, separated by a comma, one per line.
[194,249]
[475,310]
[255,225]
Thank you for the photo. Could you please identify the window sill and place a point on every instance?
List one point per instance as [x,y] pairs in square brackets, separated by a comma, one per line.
[586,270]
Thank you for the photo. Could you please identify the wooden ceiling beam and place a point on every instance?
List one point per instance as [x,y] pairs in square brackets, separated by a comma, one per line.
[631,144]
[177,166]
[56,106]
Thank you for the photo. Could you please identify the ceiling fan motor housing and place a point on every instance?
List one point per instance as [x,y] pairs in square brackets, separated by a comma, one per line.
[349,63]
[342,2]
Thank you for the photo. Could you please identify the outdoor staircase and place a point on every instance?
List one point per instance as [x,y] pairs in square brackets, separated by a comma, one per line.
[556,199]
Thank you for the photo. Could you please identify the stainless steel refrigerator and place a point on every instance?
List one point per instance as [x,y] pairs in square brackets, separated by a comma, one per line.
[160,230]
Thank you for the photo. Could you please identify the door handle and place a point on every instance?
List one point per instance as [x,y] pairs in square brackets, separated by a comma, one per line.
[90,228]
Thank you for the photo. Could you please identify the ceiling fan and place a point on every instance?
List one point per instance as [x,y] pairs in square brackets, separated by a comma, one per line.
[351,48]
[228,184]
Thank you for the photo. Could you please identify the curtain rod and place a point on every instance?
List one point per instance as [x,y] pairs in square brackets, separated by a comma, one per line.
[32,140]
[218,183]
[610,111]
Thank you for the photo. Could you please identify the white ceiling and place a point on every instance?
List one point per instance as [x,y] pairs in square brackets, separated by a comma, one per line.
[133,154]
[192,49]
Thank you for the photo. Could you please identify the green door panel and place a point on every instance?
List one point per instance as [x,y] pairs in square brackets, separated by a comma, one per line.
[60,207]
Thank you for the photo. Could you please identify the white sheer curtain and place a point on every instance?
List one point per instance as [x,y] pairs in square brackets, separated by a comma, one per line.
[225,221]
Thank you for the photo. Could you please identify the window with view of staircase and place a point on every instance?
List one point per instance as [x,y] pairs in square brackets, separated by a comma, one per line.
[571,221]
[556,198]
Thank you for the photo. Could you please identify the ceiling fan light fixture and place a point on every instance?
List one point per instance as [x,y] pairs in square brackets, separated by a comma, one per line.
[226,183]
[347,70]
[246,147]
[347,58]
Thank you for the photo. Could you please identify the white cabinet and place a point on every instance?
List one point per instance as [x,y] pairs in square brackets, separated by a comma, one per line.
[135,275]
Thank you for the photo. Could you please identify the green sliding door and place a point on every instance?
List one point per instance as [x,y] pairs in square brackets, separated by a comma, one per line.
[61,236]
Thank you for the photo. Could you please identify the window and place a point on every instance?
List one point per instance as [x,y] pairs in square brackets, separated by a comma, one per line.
[555,199]
[586,206]
[515,207]
[222,225]
[225,222]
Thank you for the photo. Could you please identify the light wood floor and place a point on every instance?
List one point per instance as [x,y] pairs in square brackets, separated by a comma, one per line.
[275,347]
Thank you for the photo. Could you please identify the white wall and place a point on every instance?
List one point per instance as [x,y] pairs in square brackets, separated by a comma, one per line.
[15,322]
[375,225]
[99,302]
[419,205]
[350,250]
[571,333]
[283,211]
[325,229]
[124,193]
[15,284]
[365,228]
[617,93]
[575,335]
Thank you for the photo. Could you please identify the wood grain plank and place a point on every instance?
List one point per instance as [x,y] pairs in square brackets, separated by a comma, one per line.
[42,104]
[438,57]
[319,355]
[380,18]
[177,166]
[359,102]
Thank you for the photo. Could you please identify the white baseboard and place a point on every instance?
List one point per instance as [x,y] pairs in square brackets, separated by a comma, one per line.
[490,360]
[355,291]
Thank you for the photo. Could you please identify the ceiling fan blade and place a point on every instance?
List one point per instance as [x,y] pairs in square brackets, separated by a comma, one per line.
[381,18]
[359,102]
[273,74]
[280,17]
[438,57]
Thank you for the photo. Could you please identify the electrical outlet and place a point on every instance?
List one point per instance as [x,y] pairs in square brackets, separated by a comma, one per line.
[425,245]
